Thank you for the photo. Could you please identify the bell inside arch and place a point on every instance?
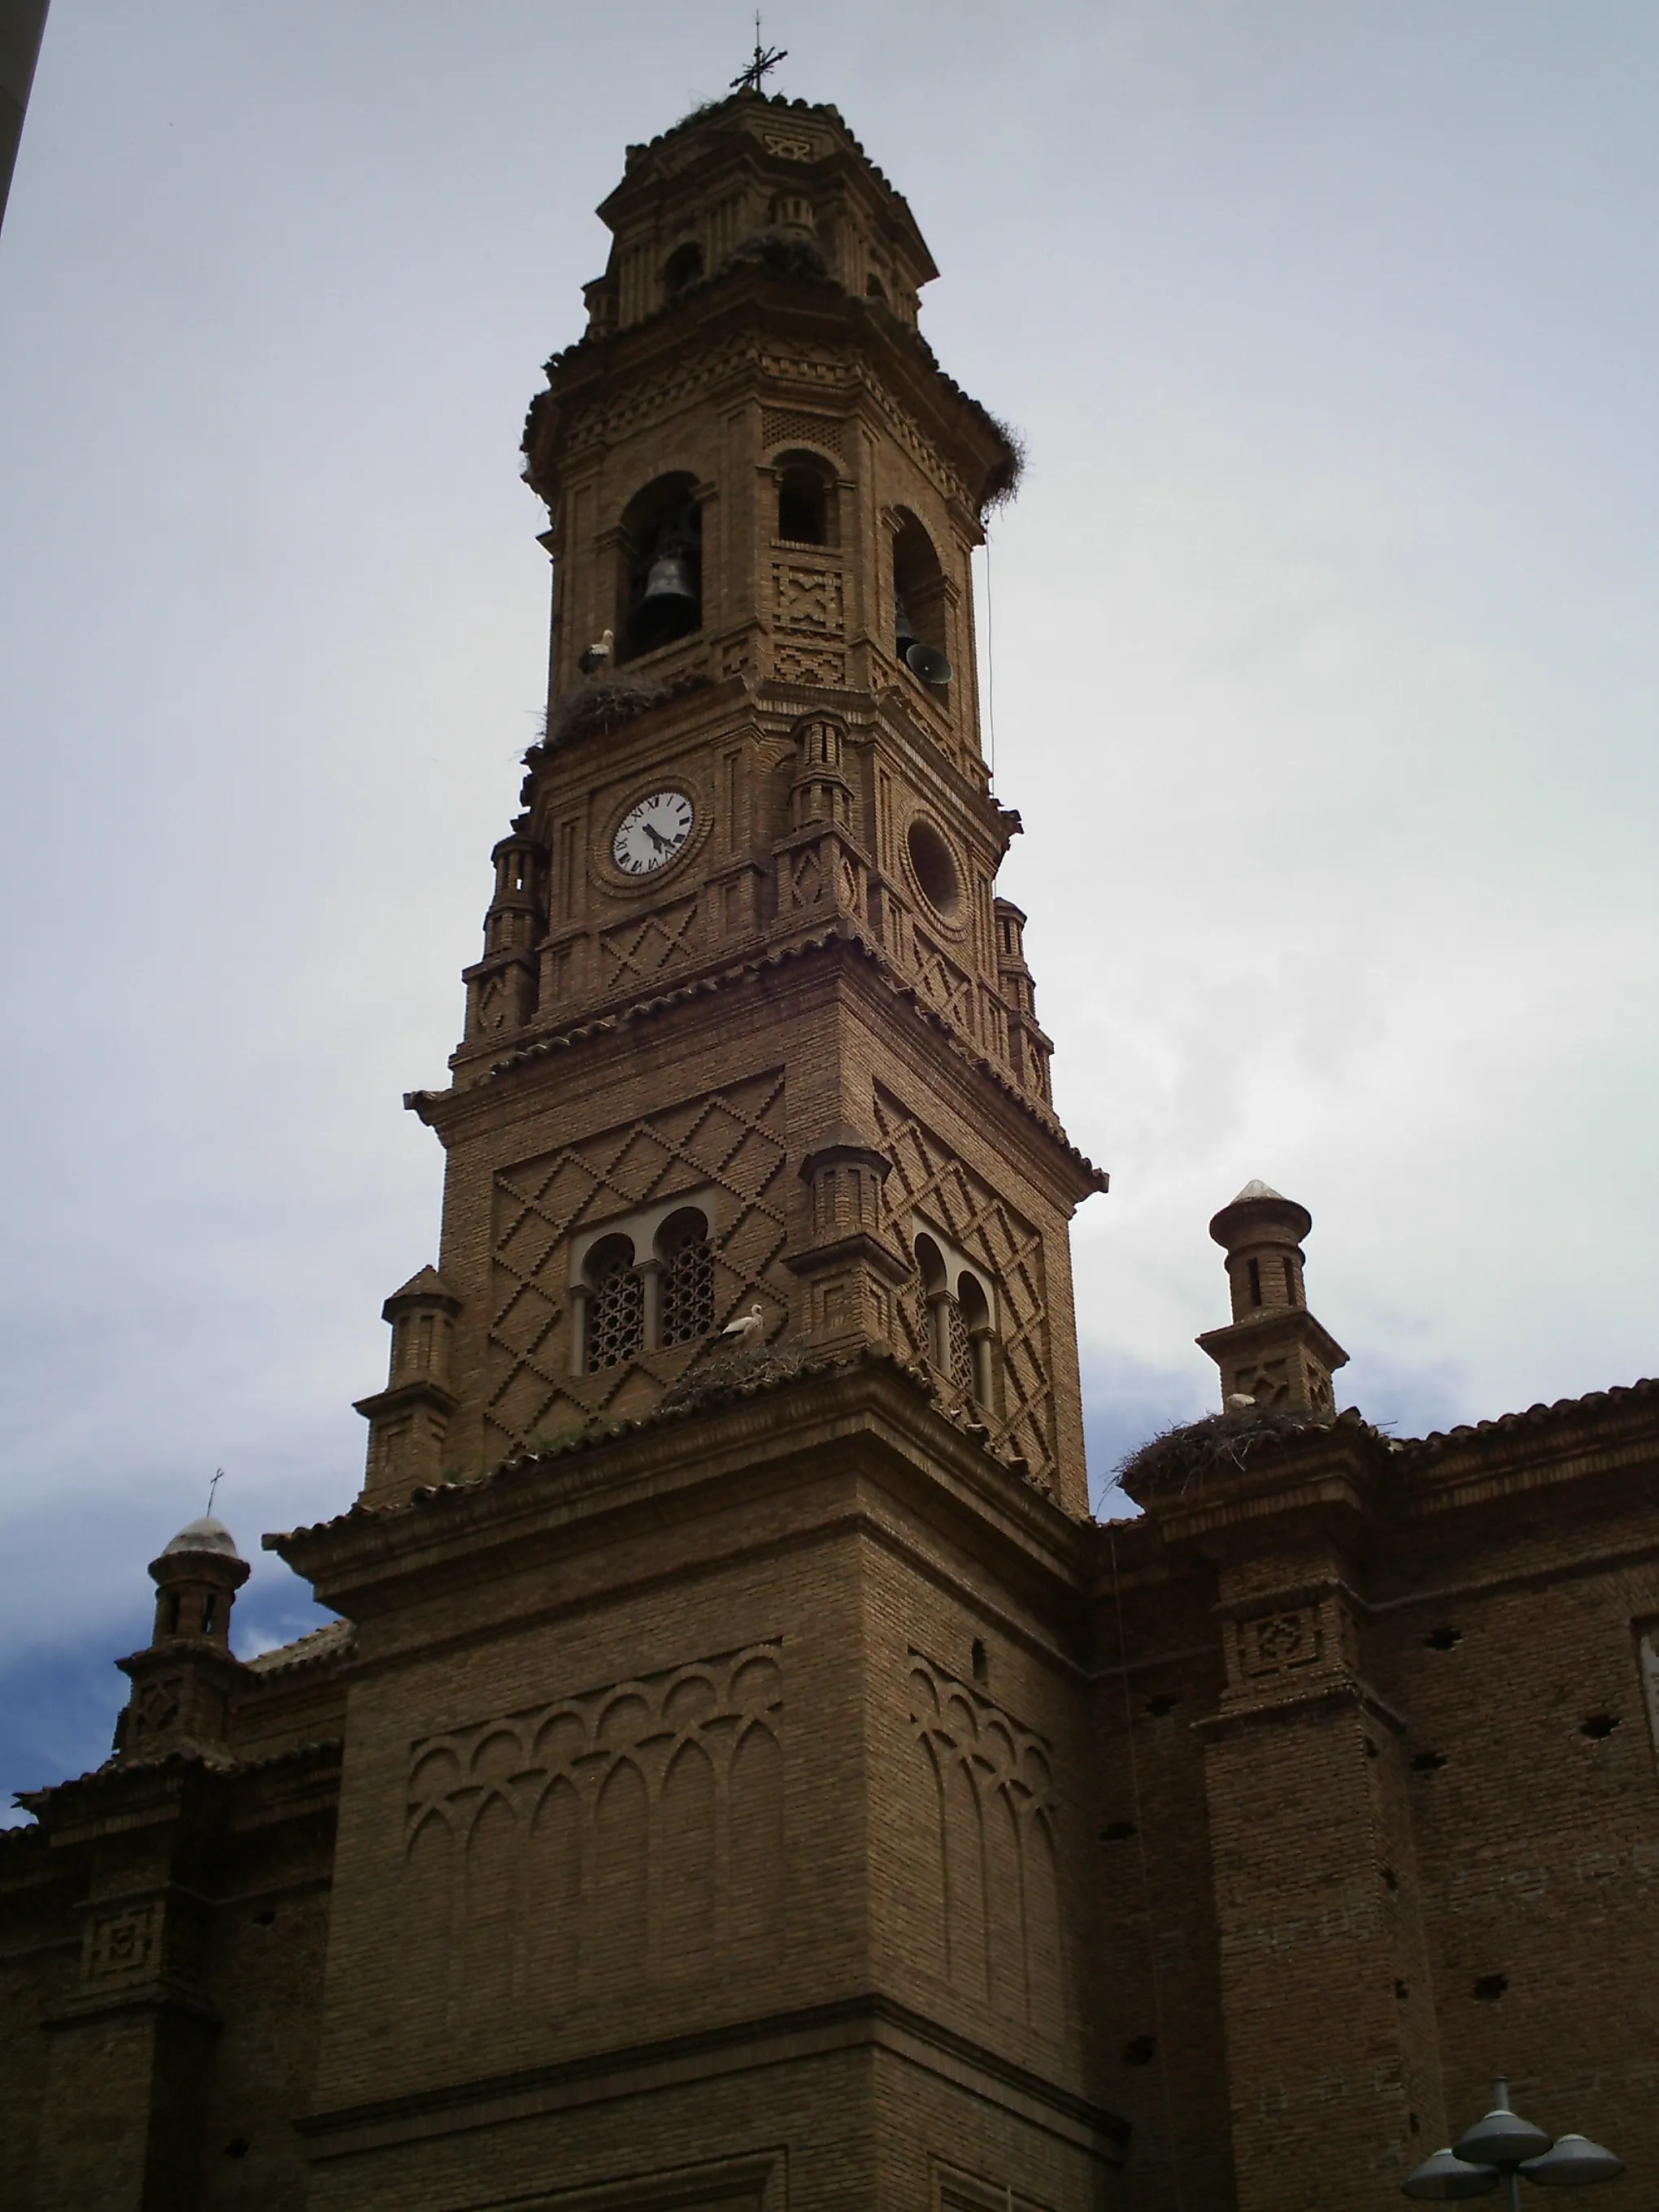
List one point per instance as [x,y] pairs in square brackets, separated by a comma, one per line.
[670,604]
[670,579]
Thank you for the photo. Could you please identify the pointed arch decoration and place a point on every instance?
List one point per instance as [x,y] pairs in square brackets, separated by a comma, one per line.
[988,1882]
[632,1835]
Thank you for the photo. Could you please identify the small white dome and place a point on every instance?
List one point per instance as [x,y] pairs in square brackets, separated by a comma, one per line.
[1256,1188]
[206,1535]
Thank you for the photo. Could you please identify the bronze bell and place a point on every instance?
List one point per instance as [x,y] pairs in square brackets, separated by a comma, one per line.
[670,577]
[905,628]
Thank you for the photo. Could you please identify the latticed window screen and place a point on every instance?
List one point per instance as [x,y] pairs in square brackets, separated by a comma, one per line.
[961,1351]
[616,1316]
[688,1289]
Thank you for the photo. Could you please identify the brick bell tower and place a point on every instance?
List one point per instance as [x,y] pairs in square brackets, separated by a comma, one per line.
[751,1026]
[703,1831]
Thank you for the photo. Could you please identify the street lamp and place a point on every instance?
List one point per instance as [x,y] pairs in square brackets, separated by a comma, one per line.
[1501,2148]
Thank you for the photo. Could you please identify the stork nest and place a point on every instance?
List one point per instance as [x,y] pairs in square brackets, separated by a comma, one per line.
[1003,484]
[783,249]
[1178,1459]
[726,1368]
[605,703]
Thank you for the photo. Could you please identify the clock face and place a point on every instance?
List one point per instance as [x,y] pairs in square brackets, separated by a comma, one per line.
[653,832]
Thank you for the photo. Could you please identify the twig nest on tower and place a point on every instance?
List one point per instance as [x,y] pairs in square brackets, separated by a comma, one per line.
[1176,1461]
[1002,485]
[730,1365]
[588,710]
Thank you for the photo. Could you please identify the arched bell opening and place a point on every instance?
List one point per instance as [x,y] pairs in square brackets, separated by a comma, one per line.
[806,500]
[611,1296]
[661,595]
[682,270]
[918,609]
[684,1260]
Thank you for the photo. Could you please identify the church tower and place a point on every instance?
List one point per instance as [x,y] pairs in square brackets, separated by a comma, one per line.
[752,1033]
[742,1777]
[716,1577]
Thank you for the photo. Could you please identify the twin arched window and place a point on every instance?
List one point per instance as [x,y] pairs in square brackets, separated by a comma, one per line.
[961,1326]
[629,1303]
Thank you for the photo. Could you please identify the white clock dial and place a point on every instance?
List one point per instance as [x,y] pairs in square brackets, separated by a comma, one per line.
[653,832]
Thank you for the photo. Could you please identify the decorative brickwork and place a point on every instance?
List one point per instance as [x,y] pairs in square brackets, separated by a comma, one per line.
[927,1178]
[784,426]
[629,1834]
[988,1785]
[1272,1641]
[635,951]
[810,665]
[733,1141]
[806,595]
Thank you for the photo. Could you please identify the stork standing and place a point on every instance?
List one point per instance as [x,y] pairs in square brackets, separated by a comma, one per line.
[746,1328]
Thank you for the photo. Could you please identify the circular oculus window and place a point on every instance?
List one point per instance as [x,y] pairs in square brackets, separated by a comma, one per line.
[933,865]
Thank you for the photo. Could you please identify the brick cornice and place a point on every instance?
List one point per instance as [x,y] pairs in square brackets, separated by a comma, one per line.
[1605,1432]
[869,2020]
[461,1110]
[735,322]
[859,1416]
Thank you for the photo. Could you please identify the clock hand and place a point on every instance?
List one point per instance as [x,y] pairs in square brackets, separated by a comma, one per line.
[661,842]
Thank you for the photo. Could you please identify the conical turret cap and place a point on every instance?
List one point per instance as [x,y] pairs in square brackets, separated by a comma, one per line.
[1260,1209]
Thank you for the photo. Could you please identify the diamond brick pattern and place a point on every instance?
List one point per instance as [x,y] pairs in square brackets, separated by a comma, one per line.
[928,1177]
[944,984]
[642,949]
[731,1139]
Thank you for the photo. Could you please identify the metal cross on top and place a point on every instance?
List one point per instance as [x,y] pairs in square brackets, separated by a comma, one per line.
[766,57]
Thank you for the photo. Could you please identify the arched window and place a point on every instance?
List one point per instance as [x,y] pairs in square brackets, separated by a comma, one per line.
[977,1375]
[683,268]
[661,595]
[936,1298]
[616,1304]
[687,1294]
[805,503]
[958,1361]
[961,1326]
[918,592]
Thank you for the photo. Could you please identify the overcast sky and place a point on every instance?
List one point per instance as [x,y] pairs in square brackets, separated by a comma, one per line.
[1326,672]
